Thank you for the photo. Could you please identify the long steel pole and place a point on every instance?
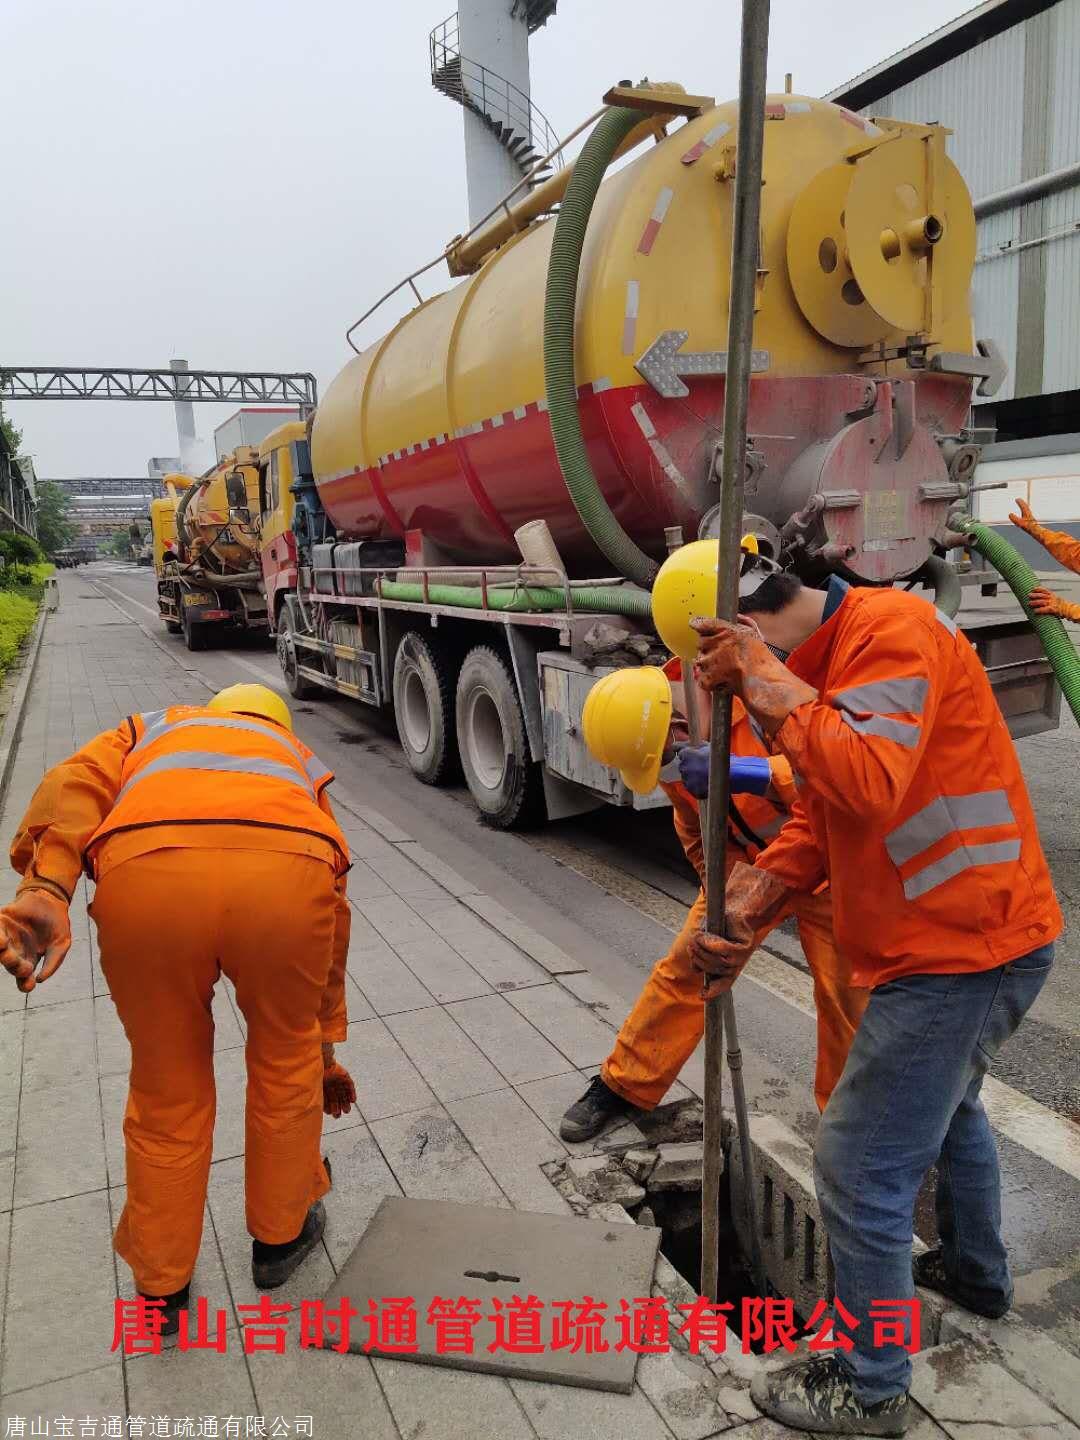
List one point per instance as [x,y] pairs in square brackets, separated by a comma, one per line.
[720,1014]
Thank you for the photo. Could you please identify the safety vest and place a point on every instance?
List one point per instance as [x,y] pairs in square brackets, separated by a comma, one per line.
[912,797]
[190,766]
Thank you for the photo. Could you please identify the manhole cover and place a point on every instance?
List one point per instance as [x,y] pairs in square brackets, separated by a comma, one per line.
[436,1253]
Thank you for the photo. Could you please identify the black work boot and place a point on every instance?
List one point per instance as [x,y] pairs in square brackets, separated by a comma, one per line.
[271,1265]
[817,1396]
[596,1108]
[170,1311]
[928,1269]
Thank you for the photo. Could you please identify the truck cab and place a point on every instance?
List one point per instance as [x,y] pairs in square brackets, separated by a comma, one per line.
[277,543]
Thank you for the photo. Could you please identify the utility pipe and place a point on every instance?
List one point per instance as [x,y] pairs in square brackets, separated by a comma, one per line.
[754,51]
[1028,190]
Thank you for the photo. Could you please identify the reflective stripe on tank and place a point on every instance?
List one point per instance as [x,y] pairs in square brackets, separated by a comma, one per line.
[904,732]
[965,857]
[948,815]
[902,694]
[210,760]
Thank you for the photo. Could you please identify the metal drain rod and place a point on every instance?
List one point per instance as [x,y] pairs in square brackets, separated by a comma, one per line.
[720,1013]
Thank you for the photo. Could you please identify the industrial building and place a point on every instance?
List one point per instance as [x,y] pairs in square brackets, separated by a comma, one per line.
[1005,77]
[18,500]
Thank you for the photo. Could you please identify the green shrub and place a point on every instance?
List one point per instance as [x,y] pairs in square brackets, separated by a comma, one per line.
[17,616]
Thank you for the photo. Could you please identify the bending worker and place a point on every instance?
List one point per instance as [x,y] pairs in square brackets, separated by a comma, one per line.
[913,804]
[215,818]
[666,1024]
[1066,551]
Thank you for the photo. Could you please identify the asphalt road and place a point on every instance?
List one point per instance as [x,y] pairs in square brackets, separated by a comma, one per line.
[615,882]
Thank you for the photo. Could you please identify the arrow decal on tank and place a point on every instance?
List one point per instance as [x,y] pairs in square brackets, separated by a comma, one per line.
[665,361]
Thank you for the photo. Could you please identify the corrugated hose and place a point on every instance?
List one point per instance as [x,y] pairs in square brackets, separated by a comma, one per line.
[589,599]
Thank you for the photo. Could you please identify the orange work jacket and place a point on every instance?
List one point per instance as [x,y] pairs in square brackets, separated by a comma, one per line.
[911,798]
[178,778]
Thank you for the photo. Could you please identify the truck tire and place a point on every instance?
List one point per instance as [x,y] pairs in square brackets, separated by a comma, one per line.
[423,687]
[196,637]
[173,627]
[494,748]
[300,688]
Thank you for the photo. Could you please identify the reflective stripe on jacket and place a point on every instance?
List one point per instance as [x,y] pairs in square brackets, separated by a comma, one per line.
[189,766]
[912,799]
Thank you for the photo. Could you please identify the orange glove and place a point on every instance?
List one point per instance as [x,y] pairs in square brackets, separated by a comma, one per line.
[1043,602]
[1025,520]
[735,657]
[339,1092]
[34,926]
[753,898]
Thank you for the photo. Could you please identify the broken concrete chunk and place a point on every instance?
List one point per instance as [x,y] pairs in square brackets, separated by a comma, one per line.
[676,1121]
[678,1167]
[645,1216]
[601,1177]
[638,1164]
[609,1211]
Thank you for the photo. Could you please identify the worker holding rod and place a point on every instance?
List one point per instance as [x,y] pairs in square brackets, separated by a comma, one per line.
[912,804]
[1066,551]
[215,819]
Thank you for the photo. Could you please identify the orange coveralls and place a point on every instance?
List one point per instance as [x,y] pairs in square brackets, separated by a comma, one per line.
[215,850]
[668,1020]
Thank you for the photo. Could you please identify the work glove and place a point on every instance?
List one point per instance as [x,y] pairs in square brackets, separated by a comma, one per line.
[1025,520]
[750,774]
[752,900]
[1044,602]
[339,1092]
[733,656]
[33,927]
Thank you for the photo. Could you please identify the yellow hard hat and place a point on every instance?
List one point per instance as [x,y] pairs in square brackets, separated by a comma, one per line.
[252,700]
[685,587]
[625,723]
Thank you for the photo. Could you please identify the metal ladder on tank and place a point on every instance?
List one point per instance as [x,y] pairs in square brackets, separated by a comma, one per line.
[520,127]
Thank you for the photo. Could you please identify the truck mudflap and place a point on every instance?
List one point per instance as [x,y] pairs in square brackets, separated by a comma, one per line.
[1024,686]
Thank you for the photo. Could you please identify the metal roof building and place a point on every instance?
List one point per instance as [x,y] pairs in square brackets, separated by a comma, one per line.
[1005,77]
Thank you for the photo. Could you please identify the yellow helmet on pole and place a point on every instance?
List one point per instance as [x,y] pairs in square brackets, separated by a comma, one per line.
[625,722]
[256,700]
[685,587]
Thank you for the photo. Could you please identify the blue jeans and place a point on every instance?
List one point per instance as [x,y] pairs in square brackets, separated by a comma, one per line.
[909,1096]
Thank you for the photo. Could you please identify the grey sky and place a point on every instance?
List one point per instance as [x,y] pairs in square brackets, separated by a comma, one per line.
[234,181]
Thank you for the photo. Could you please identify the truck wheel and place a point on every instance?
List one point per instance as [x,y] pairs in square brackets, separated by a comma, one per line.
[424,709]
[173,627]
[300,688]
[494,749]
[195,635]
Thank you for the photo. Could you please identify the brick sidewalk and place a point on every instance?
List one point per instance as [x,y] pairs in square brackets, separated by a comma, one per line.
[469,1034]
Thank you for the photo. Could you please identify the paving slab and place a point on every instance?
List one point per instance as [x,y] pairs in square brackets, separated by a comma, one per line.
[542,950]
[443,1405]
[361,1180]
[384,979]
[431,1159]
[61,1147]
[550,1099]
[339,1392]
[362,883]
[193,1382]
[514,1046]
[59,1045]
[1029,1354]
[499,961]
[387,1082]
[558,1412]
[970,1396]
[439,871]
[95,1392]
[448,1060]
[73,981]
[60,1262]
[441,969]
[685,1393]
[568,1024]
[431,1249]
[513,1144]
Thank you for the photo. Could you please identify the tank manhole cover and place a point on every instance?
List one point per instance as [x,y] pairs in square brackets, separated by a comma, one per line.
[434,1250]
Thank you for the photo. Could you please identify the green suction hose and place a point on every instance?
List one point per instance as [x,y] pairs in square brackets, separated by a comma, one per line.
[561,297]
[589,599]
[1021,580]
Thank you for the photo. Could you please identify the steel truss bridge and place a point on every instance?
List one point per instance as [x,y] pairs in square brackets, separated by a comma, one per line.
[220,387]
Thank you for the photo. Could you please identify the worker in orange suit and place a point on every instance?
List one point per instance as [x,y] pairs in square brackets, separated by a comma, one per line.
[666,1024]
[217,818]
[1066,551]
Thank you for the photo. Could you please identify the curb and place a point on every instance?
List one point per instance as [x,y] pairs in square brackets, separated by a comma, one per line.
[13,720]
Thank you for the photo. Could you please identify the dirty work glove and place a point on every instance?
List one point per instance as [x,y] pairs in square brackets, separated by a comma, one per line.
[750,774]
[1025,520]
[1043,602]
[339,1092]
[34,926]
[735,657]
[753,898]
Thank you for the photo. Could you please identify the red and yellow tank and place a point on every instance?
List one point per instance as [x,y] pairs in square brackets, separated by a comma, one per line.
[440,426]
[212,527]
[277,543]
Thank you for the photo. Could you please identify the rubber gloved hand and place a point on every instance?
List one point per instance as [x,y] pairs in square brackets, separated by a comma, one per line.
[753,898]
[339,1092]
[736,657]
[1025,520]
[750,774]
[35,925]
[1045,602]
